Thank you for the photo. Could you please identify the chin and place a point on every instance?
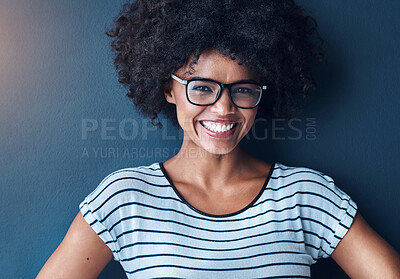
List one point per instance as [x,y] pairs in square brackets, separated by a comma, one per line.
[219,150]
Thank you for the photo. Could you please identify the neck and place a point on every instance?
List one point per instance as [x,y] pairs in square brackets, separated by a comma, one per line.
[207,169]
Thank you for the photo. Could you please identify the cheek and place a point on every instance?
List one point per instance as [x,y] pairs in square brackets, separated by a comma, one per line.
[250,117]
[187,113]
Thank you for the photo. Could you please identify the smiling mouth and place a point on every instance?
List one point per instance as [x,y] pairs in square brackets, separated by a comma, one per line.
[217,127]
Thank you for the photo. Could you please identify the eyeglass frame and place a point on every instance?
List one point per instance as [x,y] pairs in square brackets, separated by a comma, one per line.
[221,86]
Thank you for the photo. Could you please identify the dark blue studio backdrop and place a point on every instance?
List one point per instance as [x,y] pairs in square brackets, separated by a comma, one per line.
[66,123]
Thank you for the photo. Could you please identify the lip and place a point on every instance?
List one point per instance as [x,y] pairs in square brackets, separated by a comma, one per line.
[221,135]
[221,121]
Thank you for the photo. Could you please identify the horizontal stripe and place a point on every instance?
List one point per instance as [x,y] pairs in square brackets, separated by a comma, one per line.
[304,180]
[297,217]
[135,190]
[150,168]
[227,230]
[302,171]
[211,259]
[281,167]
[305,231]
[126,178]
[188,225]
[210,240]
[220,249]
[285,277]
[209,249]
[216,269]
[134,171]
[202,218]
[300,193]
[219,240]
[266,212]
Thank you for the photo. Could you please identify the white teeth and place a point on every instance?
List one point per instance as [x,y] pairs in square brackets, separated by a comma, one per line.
[217,127]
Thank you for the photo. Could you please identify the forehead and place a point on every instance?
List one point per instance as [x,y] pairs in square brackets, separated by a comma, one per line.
[213,65]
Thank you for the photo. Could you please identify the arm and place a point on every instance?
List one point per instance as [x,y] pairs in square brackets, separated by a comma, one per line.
[362,253]
[82,254]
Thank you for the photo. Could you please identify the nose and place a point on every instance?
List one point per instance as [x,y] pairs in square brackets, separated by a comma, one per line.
[224,104]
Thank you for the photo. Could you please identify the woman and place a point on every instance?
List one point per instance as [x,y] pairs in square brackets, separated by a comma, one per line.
[213,210]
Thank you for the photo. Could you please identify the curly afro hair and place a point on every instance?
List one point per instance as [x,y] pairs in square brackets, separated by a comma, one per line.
[152,39]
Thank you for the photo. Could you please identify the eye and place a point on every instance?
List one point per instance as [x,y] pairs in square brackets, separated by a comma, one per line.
[202,88]
[242,90]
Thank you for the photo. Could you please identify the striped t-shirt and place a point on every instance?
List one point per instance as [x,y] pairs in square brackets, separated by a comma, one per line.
[298,217]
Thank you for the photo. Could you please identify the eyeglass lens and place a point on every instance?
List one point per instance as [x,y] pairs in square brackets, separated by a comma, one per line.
[204,92]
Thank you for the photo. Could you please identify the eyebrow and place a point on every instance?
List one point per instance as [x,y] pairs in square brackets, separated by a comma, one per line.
[242,80]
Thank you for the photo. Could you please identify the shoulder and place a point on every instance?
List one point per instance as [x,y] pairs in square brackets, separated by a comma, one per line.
[298,178]
[311,191]
[326,211]
[140,172]
[124,186]
[117,196]
[299,173]
[126,178]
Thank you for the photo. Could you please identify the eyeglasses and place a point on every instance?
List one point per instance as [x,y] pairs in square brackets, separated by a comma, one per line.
[205,92]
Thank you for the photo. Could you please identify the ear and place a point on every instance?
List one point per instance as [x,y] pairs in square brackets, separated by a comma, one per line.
[169,94]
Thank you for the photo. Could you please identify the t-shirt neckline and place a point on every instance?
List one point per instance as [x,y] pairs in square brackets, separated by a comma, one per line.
[266,182]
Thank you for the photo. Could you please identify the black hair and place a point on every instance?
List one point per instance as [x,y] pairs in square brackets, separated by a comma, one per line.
[152,39]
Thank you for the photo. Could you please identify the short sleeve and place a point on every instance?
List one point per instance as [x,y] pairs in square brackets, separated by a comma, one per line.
[327,215]
[345,219]
[99,209]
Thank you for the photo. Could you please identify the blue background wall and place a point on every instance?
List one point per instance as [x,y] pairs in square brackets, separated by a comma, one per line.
[57,79]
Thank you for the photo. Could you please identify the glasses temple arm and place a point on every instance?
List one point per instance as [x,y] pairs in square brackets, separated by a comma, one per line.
[178,79]
[264,87]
